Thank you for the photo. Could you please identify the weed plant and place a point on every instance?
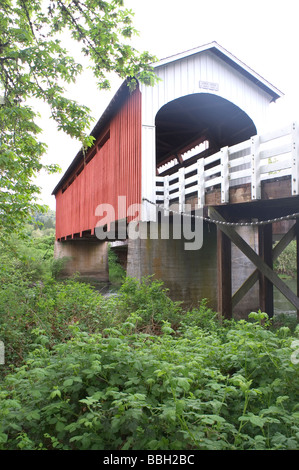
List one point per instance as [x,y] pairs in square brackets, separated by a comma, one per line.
[135,371]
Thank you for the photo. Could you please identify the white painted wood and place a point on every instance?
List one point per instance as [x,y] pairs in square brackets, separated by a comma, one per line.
[175,185]
[191,179]
[182,189]
[148,174]
[166,195]
[255,168]
[213,182]
[240,156]
[206,69]
[226,56]
[237,175]
[191,168]
[275,134]
[183,77]
[224,175]
[244,160]
[173,177]
[276,151]
[275,174]
[278,160]
[192,189]
[213,171]
[201,182]
[213,158]
[238,147]
[276,167]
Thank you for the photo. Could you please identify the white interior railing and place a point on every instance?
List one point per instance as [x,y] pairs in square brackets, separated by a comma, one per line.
[263,157]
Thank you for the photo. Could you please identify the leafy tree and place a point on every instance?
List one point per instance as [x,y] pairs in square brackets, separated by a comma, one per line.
[34,64]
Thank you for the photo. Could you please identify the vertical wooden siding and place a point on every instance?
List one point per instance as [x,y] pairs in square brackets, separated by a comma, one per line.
[114,171]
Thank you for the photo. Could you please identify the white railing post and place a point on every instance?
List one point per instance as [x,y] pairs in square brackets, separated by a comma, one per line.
[181,189]
[148,165]
[166,194]
[201,182]
[295,159]
[224,175]
[255,168]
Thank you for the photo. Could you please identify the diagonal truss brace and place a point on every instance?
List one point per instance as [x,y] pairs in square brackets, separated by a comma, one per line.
[253,278]
[257,261]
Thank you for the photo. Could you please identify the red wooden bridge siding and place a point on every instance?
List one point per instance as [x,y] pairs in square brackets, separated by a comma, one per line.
[114,170]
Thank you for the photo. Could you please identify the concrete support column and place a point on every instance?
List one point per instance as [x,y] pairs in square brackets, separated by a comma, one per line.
[89,258]
[190,275]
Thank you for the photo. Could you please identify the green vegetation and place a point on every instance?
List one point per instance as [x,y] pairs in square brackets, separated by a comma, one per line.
[116,271]
[36,67]
[128,371]
[286,263]
[134,370]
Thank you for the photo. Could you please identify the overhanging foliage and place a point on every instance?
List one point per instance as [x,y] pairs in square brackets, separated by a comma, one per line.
[34,64]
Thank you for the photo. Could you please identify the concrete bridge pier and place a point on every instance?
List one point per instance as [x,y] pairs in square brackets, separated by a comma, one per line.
[188,274]
[87,257]
[191,275]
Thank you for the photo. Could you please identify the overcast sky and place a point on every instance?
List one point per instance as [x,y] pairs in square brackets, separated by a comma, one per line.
[261,33]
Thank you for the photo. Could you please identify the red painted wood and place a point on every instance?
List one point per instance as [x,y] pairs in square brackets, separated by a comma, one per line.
[114,171]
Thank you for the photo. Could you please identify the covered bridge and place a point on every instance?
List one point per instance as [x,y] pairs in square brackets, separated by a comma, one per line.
[188,138]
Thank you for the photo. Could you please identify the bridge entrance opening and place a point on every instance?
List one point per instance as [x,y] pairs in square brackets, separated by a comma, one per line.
[195,126]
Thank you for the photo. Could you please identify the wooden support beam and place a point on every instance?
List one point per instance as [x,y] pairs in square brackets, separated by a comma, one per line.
[245,287]
[255,259]
[283,242]
[224,276]
[254,277]
[265,252]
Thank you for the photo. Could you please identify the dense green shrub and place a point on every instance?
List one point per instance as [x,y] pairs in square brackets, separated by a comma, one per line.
[231,388]
[134,370]
[31,297]
[149,300]
[48,305]
[27,303]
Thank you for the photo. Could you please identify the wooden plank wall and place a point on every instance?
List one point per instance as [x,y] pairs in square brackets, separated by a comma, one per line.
[114,171]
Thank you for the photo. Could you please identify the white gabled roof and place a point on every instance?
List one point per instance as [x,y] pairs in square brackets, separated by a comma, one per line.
[230,59]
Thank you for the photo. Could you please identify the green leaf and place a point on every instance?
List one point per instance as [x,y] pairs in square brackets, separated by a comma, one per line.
[3,438]
[253,419]
[55,393]
[184,383]
[68,382]
[33,415]
[36,66]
